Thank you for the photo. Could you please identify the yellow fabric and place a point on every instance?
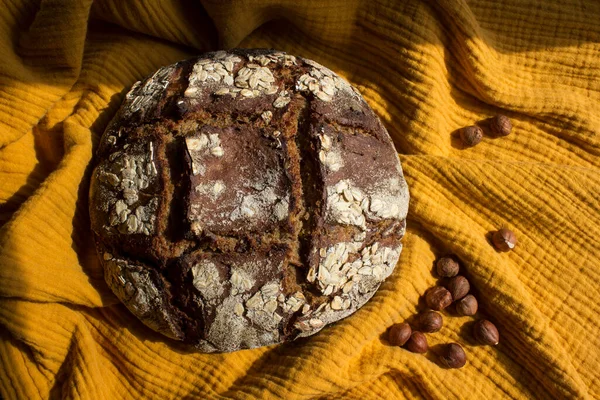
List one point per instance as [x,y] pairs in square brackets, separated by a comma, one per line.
[427,68]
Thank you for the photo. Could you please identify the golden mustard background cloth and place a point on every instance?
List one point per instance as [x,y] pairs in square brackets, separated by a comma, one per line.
[427,68]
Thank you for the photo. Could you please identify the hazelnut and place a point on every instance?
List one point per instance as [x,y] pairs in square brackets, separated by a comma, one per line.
[504,239]
[467,305]
[500,125]
[399,334]
[471,135]
[485,332]
[430,321]
[447,267]
[417,343]
[438,298]
[458,287]
[453,356]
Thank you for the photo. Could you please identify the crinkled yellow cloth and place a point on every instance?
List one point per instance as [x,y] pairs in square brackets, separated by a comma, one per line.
[427,68]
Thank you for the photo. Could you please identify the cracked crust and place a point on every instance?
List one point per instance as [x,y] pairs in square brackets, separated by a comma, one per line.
[246,198]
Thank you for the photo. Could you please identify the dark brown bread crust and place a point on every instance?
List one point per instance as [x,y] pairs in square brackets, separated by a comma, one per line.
[246,198]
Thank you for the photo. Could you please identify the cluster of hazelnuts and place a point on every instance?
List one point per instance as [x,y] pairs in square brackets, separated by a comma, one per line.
[498,126]
[438,298]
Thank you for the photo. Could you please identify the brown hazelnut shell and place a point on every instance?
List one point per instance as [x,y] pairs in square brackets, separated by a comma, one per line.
[447,267]
[430,321]
[458,287]
[471,135]
[468,305]
[504,239]
[438,298]
[417,343]
[500,125]
[486,332]
[399,334]
[453,356]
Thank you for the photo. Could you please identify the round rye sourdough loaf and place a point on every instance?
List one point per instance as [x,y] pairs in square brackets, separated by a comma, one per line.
[246,198]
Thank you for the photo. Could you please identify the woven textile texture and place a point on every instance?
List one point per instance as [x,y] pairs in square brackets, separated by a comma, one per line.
[427,68]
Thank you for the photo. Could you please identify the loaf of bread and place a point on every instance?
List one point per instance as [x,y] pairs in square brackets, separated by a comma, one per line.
[246,198]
